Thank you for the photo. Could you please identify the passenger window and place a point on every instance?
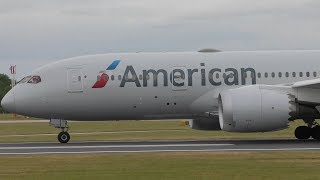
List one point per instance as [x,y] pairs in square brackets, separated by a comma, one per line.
[119,77]
[140,77]
[308,74]
[35,80]
[294,74]
[259,75]
[315,74]
[287,74]
[266,75]
[273,74]
[112,77]
[301,74]
[280,74]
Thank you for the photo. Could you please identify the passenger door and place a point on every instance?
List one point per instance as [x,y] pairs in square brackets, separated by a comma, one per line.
[75,80]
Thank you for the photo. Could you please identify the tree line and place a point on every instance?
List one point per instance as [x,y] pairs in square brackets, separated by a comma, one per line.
[5,86]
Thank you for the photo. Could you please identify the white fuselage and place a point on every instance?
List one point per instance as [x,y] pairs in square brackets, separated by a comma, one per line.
[187,85]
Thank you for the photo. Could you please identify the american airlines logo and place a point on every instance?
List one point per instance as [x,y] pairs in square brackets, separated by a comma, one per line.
[179,77]
[103,79]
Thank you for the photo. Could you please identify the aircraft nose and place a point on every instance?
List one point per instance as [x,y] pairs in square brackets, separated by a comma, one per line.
[8,102]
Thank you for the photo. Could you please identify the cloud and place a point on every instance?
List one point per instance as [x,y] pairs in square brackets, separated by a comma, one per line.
[44,30]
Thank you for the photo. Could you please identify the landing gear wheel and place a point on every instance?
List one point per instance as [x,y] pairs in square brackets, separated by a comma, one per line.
[316,132]
[303,132]
[64,137]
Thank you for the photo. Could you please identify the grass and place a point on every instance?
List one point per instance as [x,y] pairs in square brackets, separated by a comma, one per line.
[175,166]
[14,117]
[183,133]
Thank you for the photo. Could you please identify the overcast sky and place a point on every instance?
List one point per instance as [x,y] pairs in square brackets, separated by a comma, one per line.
[35,32]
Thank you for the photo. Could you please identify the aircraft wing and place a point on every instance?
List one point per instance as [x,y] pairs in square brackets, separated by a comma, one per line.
[307,92]
[314,84]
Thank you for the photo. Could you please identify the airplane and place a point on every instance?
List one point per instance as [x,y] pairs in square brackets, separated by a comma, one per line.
[234,91]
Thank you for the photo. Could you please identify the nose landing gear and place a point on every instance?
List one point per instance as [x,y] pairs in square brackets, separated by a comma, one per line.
[63,136]
[305,132]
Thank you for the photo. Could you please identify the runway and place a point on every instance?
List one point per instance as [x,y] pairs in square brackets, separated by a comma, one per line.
[159,146]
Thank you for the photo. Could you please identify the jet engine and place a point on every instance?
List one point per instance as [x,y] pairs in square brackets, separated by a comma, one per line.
[205,123]
[255,108]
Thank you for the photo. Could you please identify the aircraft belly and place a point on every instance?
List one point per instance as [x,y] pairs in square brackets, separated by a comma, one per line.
[122,104]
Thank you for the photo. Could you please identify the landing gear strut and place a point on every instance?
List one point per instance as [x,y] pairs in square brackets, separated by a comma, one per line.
[305,132]
[63,136]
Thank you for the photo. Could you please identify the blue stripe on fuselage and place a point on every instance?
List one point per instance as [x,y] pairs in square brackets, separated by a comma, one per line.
[114,65]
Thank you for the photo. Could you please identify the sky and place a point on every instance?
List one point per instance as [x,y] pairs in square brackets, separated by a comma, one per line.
[36,32]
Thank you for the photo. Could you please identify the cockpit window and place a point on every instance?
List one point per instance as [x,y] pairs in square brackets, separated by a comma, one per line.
[24,80]
[35,80]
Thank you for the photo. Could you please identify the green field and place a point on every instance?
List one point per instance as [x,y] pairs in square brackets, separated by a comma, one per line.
[122,130]
[175,166]
[13,117]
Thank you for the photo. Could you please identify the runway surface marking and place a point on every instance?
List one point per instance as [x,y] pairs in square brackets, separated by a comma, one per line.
[159,146]
[93,133]
[114,146]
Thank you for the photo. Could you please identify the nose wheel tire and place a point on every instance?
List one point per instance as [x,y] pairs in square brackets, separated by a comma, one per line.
[303,132]
[64,137]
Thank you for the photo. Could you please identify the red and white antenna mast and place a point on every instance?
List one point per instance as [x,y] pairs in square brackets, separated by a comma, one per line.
[13,71]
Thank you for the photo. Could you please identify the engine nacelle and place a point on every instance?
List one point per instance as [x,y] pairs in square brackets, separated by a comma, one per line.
[205,123]
[254,109]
